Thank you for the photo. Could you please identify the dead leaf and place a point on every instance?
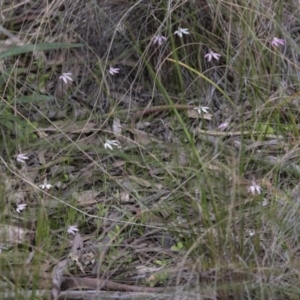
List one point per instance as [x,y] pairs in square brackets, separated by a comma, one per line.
[77,251]
[75,259]
[41,155]
[193,114]
[146,270]
[142,125]
[141,181]
[213,167]
[124,98]
[117,128]
[11,235]
[75,128]
[87,197]
[77,247]
[61,267]
[141,137]
[158,186]
[118,163]
[151,279]
[57,276]
[88,258]
[124,196]
[41,134]
[17,197]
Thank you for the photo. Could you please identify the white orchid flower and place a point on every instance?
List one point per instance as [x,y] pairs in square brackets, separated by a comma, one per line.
[210,55]
[254,188]
[72,229]
[113,71]
[45,185]
[21,207]
[65,77]
[181,31]
[21,158]
[109,144]
[159,39]
[201,109]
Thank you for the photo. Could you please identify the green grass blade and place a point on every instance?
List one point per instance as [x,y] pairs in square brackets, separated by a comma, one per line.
[38,47]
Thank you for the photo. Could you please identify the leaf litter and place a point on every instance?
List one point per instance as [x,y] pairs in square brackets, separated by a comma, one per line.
[127,201]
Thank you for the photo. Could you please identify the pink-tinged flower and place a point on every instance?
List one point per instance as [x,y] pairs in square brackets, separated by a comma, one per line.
[223,126]
[181,31]
[159,39]
[210,55]
[72,229]
[276,42]
[254,188]
[21,207]
[21,158]
[113,71]
[66,77]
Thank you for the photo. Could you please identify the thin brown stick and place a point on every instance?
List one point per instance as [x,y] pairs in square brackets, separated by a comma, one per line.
[97,284]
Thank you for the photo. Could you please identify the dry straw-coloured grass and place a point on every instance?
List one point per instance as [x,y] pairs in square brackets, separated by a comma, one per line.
[168,214]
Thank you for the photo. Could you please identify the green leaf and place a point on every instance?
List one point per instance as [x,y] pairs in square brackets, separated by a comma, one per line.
[177,247]
[13,118]
[160,262]
[6,74]
[36,47]
[8,124]
[264,127]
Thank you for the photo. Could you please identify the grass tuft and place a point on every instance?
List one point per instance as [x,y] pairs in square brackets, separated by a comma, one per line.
[168,134]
